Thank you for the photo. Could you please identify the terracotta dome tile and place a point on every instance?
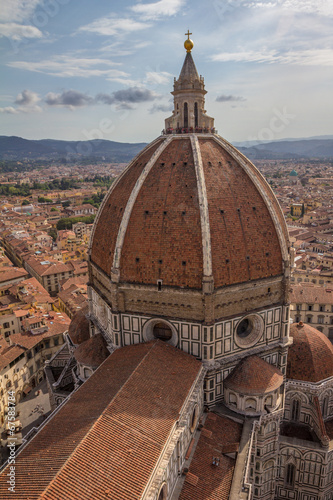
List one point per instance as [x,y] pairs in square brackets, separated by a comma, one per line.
[310,358]
[254,376]
[92,352]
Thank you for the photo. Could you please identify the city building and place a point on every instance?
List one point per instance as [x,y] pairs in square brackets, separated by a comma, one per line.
[313,305]
[189,279]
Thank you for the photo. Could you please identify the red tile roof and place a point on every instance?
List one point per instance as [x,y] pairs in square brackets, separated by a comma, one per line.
[254,376]
[310,358]
[214,482]
[104,443]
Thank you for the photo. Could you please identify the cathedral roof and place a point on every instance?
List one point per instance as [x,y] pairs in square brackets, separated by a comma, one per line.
[188,208]
[310,358]
[254,376]
[92,352]
[220,435]
[119,420]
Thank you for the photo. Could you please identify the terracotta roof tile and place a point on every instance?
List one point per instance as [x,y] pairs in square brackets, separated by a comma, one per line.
[105,441]
[214,482]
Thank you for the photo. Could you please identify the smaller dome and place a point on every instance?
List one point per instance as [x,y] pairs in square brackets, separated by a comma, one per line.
[310,358]
[254,376]
[79,328]
[92,352]
[293,173]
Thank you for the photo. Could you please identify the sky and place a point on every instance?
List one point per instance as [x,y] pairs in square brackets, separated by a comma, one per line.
[82,70]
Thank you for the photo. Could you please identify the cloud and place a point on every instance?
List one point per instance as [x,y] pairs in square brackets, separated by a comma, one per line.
[68,98]
[157,77]
[158,9]
[17,31]
[311,57]
[27,98]
[27,102]
[112,25]
[17,19]
[157,108]
[320,7]
[9,110]
[18,10]
[71,66]
[229,98]
[132,95]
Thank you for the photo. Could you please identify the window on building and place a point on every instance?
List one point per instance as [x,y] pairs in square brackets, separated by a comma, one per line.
[162,331]
[297,319]
[290,475]
[6,325]
[321,308]
[320,329]
[195,114]
[295,410]
[185,115]
[320,320]
[47,344]
[310,306]
[56,341]
[309,319]
[31,370]
[29,354]
[325,407]
[330,334]
[298,307]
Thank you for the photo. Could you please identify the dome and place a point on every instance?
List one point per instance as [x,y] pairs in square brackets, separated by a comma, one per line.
[254,376]
[310,358]
[92,352]
[79,327]
[190,208]
[293,173]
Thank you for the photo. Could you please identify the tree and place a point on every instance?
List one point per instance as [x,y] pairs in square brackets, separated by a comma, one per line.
[25,202]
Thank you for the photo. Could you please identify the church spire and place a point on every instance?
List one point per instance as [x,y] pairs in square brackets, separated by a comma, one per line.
[189,101]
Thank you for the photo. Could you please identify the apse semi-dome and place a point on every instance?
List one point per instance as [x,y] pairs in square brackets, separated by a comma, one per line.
[310,358]
[189,208]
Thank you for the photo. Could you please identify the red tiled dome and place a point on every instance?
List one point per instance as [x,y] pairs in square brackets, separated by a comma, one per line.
[190,206]
[254,376]
[310,358]
[92,352]
[79,327]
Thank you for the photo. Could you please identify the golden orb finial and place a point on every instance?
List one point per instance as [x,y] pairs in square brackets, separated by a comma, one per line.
[188,44]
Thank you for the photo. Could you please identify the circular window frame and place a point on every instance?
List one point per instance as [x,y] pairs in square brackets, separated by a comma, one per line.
[148,331]
[254,336]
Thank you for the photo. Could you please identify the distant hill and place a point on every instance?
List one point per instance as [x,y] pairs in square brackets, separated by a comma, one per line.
[289,150]
[18,149]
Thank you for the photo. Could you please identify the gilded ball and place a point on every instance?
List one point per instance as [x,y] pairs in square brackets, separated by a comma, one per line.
[188,44]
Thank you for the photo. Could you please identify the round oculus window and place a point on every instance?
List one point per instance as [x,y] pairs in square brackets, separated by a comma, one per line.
[244,328]
[162,331]
[249,330]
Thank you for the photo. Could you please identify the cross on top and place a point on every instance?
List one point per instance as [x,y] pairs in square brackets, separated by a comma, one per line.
[188,34]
